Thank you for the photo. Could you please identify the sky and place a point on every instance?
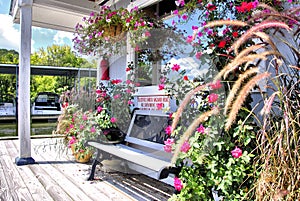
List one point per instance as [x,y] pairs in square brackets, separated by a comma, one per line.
[41,38]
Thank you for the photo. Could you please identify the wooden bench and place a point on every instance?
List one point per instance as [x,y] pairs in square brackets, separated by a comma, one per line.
[142,149]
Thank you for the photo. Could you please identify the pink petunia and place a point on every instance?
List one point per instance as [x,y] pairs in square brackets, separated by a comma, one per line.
[168,130]
[185,147]
[236,153]
[201,129]
[113,120]
[216,85]
[212,98]
[198,55]
[93,129]
[159,106]
[161,87]
[177,184]
[168,145]
[99,109]
[176,67]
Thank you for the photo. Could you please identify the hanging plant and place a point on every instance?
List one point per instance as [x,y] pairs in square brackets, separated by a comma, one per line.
[105,32]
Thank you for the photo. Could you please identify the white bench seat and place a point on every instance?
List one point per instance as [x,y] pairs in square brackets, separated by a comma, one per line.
[145,159]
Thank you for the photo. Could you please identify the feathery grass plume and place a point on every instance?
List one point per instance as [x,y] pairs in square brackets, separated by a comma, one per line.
[191,129]
[225,22]
[267,7]
[249,59]
[184,103]
[237,86]
[242,97]
[250,32]
[266,38]
[237,62]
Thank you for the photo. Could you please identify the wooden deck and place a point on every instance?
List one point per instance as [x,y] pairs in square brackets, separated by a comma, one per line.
[57,177]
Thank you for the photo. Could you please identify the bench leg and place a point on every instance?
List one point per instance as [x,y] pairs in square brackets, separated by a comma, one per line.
[95,163]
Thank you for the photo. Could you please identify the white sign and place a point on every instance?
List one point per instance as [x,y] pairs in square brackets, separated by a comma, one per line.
[153,102]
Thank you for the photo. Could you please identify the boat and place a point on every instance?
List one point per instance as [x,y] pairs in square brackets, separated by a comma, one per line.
[46,103]
[7,105]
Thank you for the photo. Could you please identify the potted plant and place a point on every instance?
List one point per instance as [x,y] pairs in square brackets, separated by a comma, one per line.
[104,32]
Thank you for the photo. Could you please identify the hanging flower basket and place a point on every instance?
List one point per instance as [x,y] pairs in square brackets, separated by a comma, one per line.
[105,31]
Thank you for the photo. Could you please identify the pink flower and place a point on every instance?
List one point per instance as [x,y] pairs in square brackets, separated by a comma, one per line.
[113,120]
[93,129]
[130,102]
[161,87]
[81,127]
[216,85]
[99,109]
[147,34]
[159,106]
[198,55]
[185,147]
[212,98]
[84,117]
[184,17]
[236,153]
[72,141]
[168,130]
[201,129]
[168,145]
[175,67]
[179,3]
[117,96]
[177,184]
[189,39]
[71,126]
[98,91]
[116,81]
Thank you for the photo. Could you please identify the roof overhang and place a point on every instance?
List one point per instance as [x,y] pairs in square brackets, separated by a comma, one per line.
[56,14]
[63,15]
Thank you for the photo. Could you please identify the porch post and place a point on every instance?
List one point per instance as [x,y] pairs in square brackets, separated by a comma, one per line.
[24,84]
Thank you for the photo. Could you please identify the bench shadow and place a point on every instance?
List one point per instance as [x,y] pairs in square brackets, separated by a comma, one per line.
[53,162]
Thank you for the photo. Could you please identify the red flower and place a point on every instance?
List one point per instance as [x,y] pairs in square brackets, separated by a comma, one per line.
[222,44]
[186,78]
[211,7]
[235,34]
[245,7]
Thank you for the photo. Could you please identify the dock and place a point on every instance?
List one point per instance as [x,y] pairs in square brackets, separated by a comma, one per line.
[56,176]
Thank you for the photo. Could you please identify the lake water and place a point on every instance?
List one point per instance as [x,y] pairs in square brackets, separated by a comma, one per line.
[37,128]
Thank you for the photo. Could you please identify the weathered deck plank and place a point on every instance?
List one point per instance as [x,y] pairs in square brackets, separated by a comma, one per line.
[16,188]
[58,177]
[37,190]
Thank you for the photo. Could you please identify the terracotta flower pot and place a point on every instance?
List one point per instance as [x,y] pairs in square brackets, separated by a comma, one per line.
[82,157]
